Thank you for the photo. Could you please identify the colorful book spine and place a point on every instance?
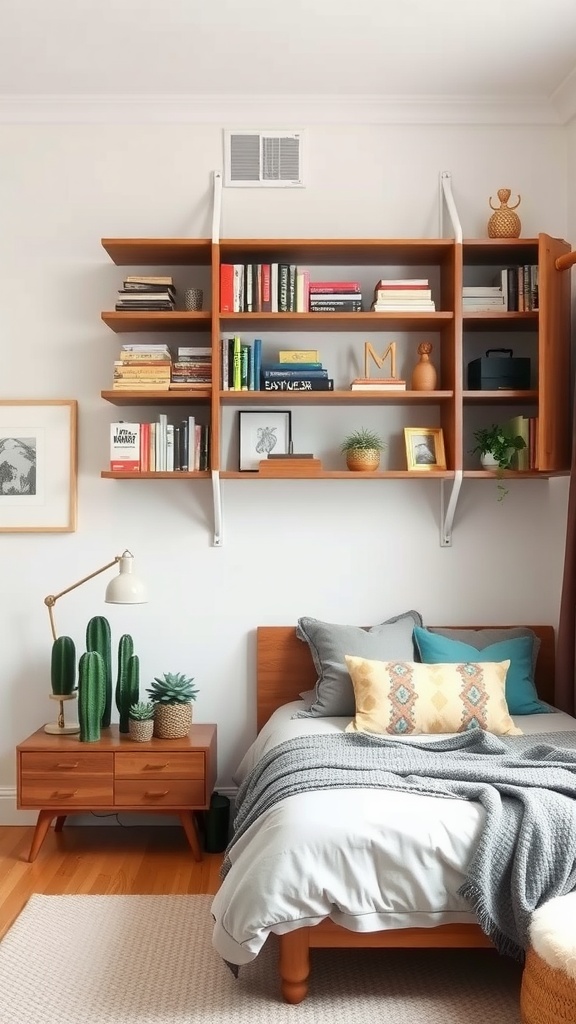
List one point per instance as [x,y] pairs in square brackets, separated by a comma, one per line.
[237,365]
[298,355]
[124,447]
[226,288]
[257,347]
[300,384]
[292,374]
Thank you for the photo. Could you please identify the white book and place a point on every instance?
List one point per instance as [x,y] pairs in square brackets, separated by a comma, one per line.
[161,442]
[170,447]
[191,442]
[124,446]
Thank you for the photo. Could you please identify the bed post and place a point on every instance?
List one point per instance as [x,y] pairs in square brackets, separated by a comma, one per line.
[294,965]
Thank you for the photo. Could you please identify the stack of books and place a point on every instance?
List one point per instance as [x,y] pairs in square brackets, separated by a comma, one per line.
[403,295]
[296,375]
[483,299]
[335,297]
[378,384]
[192,368]
[143,368]
[146,294]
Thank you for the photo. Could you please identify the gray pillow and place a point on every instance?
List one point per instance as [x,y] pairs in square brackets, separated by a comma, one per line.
[330,642]
[481,638]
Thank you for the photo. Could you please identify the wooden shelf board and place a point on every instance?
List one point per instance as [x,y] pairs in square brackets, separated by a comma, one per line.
[334,397]
[124,322]
[515,474]
[506,321]
[492,251]
[171,475]
[504,396]
[194,397]
[126,252]
[341,474]
[338,321]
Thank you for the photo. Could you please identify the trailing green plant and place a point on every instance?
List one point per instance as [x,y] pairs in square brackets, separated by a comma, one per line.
[63,665]
[141,711]
[501,445]
[172,688]
[98,638]
[91,687]
[363,440]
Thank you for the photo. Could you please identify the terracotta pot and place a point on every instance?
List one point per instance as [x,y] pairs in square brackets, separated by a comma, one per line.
[362,459]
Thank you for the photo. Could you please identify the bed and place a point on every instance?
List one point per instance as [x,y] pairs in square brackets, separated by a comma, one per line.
[284,670]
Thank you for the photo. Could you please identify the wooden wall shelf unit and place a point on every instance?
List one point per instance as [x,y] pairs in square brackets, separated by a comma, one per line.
[457,337]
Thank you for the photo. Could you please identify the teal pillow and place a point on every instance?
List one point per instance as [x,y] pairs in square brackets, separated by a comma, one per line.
[521,695]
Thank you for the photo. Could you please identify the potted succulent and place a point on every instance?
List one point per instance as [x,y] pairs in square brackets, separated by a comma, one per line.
[496,447]
[172,696]
[141,721]
[362,449]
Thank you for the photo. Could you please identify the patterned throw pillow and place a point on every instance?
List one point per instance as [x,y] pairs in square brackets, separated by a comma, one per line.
[404,698]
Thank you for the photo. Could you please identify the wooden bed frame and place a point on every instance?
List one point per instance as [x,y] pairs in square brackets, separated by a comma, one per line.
[284,668]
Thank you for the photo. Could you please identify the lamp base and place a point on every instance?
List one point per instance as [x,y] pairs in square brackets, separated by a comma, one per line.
[60,727]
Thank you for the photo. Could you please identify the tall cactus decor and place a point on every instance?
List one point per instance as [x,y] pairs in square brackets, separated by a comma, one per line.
[124,684]
[91,695]
[132,691]
[63,666]
[98,638]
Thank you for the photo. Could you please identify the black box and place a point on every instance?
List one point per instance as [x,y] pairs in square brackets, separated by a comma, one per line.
[499,372]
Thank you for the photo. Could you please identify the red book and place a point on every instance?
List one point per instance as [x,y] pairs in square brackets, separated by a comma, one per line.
[331,287]
[226,287]
[144,447]
[265,286]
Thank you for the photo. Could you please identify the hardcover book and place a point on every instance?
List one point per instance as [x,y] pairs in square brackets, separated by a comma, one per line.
[124,447]
[299,384]
[298,355]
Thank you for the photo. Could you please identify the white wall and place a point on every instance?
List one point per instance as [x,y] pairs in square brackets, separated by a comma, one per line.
[344,551]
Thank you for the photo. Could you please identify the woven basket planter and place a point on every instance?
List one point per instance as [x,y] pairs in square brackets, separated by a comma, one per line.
[362,459]
[172,721]
[548,995]
[141,730]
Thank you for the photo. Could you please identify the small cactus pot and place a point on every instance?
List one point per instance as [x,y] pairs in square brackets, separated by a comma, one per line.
[362,459]
[172,721]
[142,730]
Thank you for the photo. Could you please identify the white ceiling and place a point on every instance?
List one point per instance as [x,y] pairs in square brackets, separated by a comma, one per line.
[488,53]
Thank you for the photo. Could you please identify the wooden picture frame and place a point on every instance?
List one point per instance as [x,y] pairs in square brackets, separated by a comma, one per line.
[262,432]
[38,465]
[424,448]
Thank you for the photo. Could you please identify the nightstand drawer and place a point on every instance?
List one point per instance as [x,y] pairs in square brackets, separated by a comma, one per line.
[160,792]
[175,764]
[56,764]
[67,792]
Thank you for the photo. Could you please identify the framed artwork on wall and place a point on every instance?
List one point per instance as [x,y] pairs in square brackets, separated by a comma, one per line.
[424,448]
[38,465]
[262,433]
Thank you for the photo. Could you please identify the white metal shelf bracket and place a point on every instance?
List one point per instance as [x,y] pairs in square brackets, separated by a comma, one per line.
[217,502]
[448,509]
[448,205]
[216,206]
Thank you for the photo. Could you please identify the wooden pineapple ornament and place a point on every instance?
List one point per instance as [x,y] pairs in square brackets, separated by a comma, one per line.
[504,223]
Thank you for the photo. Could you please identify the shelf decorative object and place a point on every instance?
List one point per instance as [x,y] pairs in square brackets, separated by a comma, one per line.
[504,222]
[362,449]
[496,447]
[424,448]
[172,695]
[424,374]
[141,721]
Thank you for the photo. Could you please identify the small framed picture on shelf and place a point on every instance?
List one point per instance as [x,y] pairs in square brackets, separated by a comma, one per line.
[425,448]
[263,433]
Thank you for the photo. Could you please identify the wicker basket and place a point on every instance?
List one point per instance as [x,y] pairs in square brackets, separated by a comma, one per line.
[362,459]
[548,995]
[172,721]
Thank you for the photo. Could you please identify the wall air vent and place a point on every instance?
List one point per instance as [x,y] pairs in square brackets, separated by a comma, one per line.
[263,159]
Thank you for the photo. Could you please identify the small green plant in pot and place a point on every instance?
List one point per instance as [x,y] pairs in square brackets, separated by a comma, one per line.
[141,721]
[362,449]
[496,447]
[172,696]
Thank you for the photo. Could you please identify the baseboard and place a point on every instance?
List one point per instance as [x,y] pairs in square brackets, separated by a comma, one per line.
[10,815]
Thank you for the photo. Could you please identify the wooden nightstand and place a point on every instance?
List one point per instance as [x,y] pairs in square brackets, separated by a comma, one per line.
[60,775]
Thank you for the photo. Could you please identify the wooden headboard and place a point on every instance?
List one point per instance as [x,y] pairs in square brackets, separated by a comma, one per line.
[284,666]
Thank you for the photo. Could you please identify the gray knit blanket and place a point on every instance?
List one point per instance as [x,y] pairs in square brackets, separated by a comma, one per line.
[526,853]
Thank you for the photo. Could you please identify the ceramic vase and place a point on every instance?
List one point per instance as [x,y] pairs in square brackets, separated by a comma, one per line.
[424,374]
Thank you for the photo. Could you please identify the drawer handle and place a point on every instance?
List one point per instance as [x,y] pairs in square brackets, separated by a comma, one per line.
[69,766]
[156,792]
[64,795]
[155,767]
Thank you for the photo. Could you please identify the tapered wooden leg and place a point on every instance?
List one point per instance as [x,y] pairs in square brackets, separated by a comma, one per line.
[191,829]
[40,832]
[60,822]
[294,965]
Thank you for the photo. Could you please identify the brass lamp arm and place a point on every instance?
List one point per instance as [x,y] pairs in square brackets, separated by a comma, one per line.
[51,599]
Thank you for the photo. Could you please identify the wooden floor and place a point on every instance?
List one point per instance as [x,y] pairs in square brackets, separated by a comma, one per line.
[100,859]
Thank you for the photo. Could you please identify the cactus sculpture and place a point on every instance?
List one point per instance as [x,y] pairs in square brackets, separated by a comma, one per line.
[98,638]
[127,684]
[91,694]
[63,666]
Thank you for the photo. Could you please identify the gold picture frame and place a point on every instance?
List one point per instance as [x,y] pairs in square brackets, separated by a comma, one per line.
[424,449]
[38,465]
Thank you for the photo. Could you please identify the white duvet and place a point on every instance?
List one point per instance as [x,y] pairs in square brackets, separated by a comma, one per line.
[367,859]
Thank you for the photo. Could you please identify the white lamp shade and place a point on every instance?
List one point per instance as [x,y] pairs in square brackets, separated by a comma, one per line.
[126,588]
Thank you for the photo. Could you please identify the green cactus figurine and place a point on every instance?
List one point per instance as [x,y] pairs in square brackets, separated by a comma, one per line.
[98,638]
[130,694]
[63,666]
[122,694]
[91,689]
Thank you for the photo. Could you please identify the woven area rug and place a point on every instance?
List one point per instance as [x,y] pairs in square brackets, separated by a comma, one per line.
[149,960]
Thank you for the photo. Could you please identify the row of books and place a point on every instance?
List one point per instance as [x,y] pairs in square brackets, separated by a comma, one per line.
[145,293]
[283,288]
[403,295]
[242,369]
[153,368]
[159,446]
[520,288]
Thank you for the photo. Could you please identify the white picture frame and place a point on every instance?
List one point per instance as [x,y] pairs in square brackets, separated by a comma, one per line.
[38,465]
[261,433]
